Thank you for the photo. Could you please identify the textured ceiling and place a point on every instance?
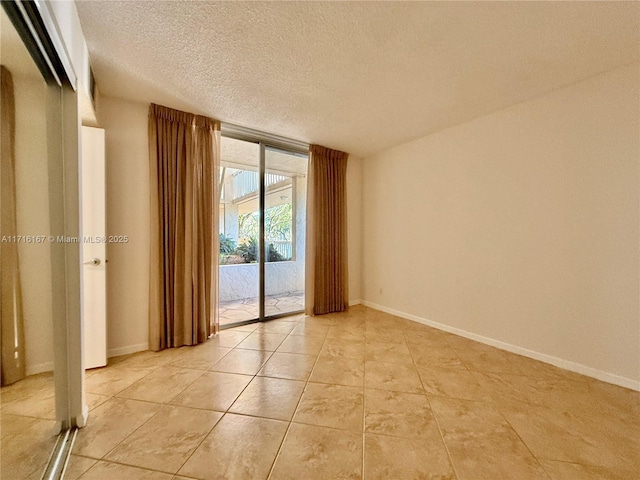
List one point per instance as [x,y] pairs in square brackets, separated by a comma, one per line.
[356,76]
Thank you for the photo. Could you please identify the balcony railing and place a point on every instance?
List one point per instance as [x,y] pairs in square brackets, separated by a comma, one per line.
[245,182]
[283,248]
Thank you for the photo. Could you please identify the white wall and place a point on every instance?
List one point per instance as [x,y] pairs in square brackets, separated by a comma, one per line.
[354,227]
[127,157]
[127,165]
[520,226]
[32,214]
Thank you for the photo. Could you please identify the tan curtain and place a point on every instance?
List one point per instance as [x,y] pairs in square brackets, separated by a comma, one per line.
[327,282]
[184,155]
[11,319]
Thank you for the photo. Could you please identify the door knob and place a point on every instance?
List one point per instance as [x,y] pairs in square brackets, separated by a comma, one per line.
[94,261]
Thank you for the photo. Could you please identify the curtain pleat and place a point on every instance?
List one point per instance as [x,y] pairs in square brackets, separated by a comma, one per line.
[184,155]
[327,282]
[11,318]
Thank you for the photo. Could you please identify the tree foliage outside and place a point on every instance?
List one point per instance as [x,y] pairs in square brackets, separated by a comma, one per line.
[227,245]
[248,226]
[278,228]
[277,224]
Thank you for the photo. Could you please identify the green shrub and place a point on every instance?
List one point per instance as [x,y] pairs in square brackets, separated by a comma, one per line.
[227,245]
[249,251]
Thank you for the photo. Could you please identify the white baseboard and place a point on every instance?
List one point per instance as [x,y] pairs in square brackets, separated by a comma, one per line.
[543,357]
[355,302]
[39,368]
[116,352]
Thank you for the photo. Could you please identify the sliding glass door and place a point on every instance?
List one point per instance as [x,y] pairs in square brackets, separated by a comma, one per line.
[285,225]
[239,293]
[262,230]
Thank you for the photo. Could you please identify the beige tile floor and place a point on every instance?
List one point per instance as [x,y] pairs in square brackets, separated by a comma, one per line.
[27,413]
[247,309]
[355,395]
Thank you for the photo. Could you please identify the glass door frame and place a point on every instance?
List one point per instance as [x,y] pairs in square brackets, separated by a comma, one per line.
[265,141]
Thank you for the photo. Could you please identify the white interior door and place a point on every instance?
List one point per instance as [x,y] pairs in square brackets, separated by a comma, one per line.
[94,244]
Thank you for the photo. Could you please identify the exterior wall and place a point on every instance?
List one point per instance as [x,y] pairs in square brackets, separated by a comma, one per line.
[231,221]
[241,281]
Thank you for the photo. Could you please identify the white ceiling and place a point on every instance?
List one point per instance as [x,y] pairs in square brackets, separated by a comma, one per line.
[355,76]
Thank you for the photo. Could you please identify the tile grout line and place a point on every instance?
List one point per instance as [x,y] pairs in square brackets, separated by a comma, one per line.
[163,405]
[499,410]
[219,420]
[286,434]
[115,462]
[433,414]
[364,404]
[446,447]
[238,396]
[253,377]
[152,370]
[492,402]
[502,407]
[231,405]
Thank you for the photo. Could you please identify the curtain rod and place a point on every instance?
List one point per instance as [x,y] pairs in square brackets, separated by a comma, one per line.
[244,133]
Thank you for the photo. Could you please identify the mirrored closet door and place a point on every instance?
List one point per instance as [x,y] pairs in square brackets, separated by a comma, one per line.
[39,282]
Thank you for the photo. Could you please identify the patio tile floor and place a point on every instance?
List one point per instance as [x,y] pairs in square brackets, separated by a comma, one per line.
[247,308]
